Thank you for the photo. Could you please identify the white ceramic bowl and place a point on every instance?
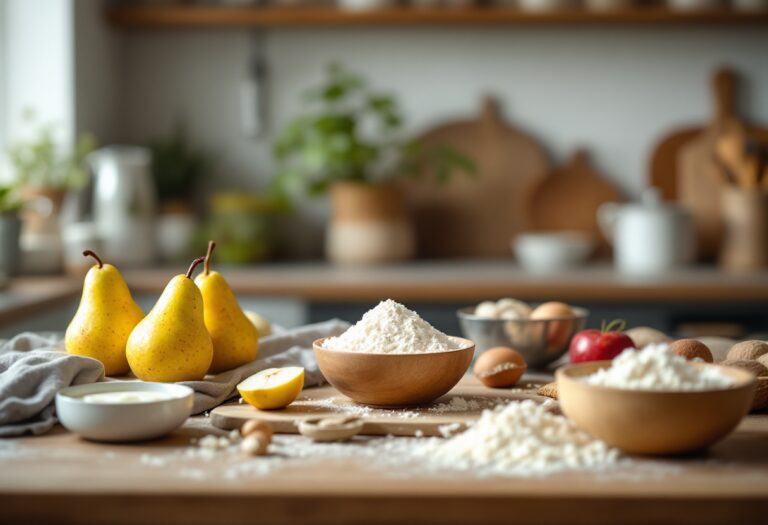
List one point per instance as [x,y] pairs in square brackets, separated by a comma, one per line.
[550,252]
[119,421]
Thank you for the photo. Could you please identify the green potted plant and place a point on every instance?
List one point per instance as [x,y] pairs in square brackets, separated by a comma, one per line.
[45,171]
[10,228]
[177,167]
[349,143]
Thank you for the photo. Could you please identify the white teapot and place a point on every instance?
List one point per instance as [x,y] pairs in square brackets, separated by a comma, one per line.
[648,237]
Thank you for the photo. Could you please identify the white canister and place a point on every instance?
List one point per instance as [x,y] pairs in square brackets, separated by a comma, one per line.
[124,204]
[648,237]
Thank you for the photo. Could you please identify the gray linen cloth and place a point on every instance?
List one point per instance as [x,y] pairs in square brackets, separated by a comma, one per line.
[290,348]
[34,367]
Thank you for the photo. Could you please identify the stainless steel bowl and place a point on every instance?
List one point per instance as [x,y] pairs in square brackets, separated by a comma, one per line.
[540,341]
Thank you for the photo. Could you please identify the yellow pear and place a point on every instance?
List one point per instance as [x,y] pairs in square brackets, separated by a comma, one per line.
[235,339]
[171,343]
[104,319]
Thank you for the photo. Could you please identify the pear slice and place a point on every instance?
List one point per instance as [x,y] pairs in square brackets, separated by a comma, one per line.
[273,388]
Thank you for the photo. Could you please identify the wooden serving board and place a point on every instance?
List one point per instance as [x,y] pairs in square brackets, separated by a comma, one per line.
[683,165]
[476,216]
[568,198]
[424,420]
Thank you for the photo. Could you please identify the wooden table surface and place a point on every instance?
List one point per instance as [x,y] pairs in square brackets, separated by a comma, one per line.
[58,478]
[429,282]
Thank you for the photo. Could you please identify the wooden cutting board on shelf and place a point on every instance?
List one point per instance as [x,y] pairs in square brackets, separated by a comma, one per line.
[568,197]
[476,216]
[699,184]
[462,405]
[663,166]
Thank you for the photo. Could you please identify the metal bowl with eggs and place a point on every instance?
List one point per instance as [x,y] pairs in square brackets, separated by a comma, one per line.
[541,334]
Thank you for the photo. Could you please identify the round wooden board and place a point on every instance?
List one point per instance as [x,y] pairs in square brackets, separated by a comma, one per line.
[476,216]
[568,198]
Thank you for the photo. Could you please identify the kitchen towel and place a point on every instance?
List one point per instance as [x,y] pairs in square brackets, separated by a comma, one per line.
[33,367]
[290,348]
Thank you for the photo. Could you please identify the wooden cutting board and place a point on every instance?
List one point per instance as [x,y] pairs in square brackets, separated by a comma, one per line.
[568,197]
[699,183]
[469,400]
[476,216]
[663,166]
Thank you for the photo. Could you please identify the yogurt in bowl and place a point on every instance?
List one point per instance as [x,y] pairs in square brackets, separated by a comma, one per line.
[124,410]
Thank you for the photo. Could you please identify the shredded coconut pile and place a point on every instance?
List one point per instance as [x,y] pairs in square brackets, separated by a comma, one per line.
[391,328]
[522,438]
[656,367]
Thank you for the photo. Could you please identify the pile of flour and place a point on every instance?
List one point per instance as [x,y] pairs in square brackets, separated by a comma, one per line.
[656,367]
[391,328]
[521,438]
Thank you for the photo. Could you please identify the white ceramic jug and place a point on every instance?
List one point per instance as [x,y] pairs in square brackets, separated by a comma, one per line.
[124,204]
[650,236]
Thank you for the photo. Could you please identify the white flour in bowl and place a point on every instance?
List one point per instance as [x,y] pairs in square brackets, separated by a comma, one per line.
[657,368]
[391,328]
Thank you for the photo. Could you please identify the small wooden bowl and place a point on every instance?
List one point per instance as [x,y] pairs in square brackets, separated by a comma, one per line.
[394,380]
[653,422]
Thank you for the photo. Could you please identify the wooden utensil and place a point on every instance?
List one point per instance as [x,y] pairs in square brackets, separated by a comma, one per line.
[698,181]
[568,197]
[649,422]
[394,379]
[477,216]
[424,420]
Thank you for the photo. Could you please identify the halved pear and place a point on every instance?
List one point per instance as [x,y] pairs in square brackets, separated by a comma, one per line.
[273,388]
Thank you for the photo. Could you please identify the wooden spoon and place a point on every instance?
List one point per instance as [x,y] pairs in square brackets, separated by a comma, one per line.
[331,428]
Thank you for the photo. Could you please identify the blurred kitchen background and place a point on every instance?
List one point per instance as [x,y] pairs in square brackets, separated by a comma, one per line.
[607,153]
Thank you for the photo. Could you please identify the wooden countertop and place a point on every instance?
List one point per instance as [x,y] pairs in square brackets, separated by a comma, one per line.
[57,478]
[446,281]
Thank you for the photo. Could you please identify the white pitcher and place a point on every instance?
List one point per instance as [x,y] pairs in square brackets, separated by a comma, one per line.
[124,204]
[650,236]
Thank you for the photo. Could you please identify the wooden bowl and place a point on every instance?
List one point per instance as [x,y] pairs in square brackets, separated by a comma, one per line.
[653,422]
[394,380]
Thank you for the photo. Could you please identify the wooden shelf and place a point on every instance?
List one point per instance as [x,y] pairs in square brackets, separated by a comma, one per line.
[222,17]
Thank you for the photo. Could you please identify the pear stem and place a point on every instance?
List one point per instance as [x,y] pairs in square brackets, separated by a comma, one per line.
[89,253]
[193,266]
[207,265]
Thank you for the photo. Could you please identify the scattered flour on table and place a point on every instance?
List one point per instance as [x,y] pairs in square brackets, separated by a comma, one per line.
[391,328]
[521,438]
[656,367]
[518,439]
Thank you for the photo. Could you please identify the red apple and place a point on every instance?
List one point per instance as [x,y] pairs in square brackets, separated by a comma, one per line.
[599,345]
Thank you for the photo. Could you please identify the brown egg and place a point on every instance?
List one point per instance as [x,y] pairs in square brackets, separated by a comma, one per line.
[557,331]
[499,367]
[691,349]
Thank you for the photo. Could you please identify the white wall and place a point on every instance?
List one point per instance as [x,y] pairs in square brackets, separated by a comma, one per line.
[38,67]
[96,72]
[616,90]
